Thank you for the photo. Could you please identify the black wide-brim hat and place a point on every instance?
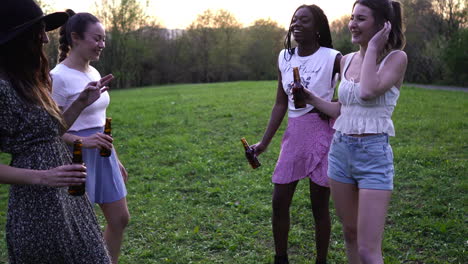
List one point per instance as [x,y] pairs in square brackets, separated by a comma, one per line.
[16,16]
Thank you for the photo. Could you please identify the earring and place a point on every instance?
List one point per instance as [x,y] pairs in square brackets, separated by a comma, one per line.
[318,35]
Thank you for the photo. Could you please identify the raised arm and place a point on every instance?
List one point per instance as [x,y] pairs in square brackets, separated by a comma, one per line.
[375,82]
[90,94]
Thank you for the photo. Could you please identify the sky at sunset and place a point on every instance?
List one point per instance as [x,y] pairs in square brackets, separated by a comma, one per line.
[181,13]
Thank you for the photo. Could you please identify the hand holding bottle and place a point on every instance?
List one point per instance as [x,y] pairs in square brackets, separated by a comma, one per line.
[250,154]
[98,140]
[298,90]
[66,175]
[259,148]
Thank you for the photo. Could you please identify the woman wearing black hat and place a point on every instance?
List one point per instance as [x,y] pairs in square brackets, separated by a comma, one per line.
[44,223]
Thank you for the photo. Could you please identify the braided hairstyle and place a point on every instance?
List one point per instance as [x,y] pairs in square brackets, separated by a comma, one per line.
[78,23]
[321,23]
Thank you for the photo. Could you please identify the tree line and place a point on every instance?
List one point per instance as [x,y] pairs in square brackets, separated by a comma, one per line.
[216,47]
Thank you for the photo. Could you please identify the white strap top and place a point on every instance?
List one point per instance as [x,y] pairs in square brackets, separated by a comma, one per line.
[365,116]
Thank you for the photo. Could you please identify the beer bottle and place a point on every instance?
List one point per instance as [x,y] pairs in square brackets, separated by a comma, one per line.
[108,131]
[250,154]
[298,90]
[77,159]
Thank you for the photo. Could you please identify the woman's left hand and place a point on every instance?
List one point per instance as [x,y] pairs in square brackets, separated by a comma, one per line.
[93,90]
[380,38]
[124,172]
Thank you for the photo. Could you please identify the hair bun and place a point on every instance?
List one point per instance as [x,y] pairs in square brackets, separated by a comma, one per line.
[70,12]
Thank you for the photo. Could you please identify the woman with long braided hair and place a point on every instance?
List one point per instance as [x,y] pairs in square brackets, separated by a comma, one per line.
[305,143]
[82,40]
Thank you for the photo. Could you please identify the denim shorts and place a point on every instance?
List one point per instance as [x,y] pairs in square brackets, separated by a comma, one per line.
[364,161]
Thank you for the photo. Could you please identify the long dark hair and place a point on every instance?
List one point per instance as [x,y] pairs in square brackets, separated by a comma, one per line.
[321,23]
[26,66]
[78,23]
[387,10]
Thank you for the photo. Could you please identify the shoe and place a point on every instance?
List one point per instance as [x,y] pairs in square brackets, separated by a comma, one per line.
[320,262]
[281,259]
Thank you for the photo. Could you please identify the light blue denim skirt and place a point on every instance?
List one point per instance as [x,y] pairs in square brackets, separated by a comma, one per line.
[104,182]
[364,161]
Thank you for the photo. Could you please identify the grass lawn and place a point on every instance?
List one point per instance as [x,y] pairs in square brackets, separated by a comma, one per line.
[194,198]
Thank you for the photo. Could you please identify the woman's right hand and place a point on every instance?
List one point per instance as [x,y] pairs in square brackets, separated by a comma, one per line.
[98,140]
[259,148]
[66,175]
[309,96]
[93,90]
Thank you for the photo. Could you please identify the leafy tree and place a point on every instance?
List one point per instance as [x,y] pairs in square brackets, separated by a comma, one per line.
[261,44]
[341,36]
[123,54]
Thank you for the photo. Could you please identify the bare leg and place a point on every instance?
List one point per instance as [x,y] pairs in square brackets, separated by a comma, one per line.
[346,199]
[117,217]
[373,205]
[320,198]
[282,197]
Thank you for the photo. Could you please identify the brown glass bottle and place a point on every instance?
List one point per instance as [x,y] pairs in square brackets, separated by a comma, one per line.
[250,154]
[298,90]
[77,159]
[108,131]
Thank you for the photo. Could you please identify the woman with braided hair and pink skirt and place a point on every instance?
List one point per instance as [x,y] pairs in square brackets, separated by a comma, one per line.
[307,138]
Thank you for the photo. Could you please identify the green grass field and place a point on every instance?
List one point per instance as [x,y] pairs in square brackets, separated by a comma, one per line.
[194,199]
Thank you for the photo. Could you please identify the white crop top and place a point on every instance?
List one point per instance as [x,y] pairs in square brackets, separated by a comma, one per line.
[67,84]
[316,73]
[365,116]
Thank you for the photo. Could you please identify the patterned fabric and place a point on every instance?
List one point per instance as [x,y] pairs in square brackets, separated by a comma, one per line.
[44,224]
[304,150]
[104,182]
[316,73]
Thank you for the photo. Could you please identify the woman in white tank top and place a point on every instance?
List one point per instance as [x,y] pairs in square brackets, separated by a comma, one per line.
[307,138]
[360,161]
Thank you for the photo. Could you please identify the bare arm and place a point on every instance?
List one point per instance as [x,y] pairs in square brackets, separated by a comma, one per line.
[375,82]
[89,95]
[66,175]
[331,109]
[277,115]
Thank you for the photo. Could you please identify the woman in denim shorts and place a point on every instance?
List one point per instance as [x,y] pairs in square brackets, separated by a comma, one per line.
[360,161]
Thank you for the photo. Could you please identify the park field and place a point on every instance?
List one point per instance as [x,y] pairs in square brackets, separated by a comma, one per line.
[194,199]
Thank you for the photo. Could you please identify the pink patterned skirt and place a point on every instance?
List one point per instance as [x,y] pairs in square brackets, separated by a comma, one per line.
[304,150]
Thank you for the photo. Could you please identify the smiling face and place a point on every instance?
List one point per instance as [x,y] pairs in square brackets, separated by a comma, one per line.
[92,43]
[362,25]
[303,26]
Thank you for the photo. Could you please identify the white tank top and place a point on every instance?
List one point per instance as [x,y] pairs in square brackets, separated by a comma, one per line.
[316,72]
[365,116]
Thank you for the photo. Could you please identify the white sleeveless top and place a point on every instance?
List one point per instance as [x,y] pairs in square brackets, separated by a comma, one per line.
[316,73]
[365,116]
